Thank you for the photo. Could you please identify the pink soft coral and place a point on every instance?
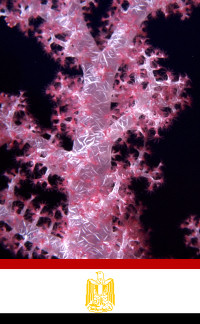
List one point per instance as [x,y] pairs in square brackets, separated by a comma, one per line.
[124,93]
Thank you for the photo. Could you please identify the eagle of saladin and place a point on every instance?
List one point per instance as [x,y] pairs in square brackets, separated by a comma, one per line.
[100,295]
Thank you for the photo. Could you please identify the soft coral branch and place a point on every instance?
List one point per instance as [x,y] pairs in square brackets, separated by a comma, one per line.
[74,204]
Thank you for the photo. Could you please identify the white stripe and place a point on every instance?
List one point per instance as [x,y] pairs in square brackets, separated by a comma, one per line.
[64,291]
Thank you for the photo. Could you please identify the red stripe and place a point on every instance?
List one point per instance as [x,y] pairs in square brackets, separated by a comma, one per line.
[100,264]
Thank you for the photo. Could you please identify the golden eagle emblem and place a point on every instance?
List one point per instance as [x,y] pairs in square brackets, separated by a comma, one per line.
[100,295]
